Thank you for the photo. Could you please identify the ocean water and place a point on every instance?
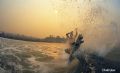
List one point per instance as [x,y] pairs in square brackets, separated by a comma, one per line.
[31,57]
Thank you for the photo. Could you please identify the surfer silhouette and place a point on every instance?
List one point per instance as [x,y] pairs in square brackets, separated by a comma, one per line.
[75,43]
[70,40]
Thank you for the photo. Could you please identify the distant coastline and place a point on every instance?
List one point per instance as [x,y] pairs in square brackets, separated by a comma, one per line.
[50,39]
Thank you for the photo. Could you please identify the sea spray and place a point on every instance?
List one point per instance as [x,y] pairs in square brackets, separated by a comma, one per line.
[96,20]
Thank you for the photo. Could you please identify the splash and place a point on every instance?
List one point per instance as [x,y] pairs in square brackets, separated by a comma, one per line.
[98,23]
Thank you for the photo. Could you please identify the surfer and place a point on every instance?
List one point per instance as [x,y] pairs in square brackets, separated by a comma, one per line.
[73,43]
[70,40]
[75,53]
[75,47]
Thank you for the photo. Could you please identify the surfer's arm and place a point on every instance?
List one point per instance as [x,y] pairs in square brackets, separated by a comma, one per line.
[76,33]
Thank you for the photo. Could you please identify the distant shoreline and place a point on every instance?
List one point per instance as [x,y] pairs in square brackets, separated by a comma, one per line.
[49,39]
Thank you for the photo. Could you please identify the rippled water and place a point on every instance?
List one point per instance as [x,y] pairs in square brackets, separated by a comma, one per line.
[31,57]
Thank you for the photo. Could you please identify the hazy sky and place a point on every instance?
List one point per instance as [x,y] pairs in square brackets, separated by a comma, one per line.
[40,18]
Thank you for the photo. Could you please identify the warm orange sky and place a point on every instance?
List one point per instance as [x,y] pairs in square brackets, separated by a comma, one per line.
[40,18]
[37,18]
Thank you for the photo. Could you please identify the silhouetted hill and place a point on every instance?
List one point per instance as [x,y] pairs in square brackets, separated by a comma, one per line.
[53,39]
[56,39]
